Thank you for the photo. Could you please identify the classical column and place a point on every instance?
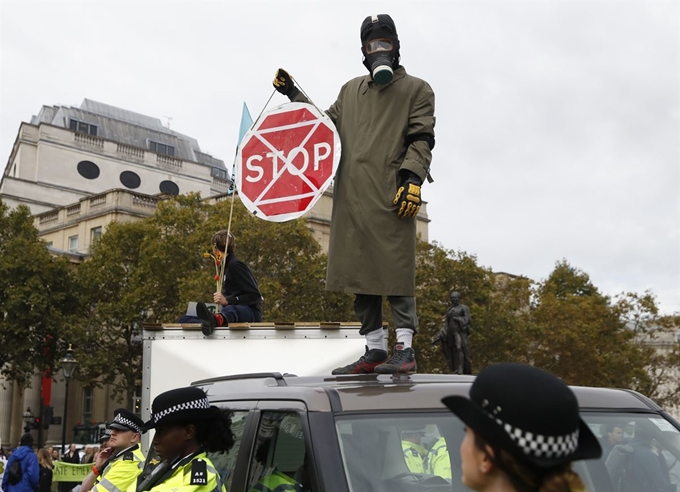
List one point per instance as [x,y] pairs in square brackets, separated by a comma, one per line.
[6,391]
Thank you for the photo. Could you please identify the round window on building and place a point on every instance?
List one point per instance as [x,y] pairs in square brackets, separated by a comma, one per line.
[130,180]
[88,170]
[169,188]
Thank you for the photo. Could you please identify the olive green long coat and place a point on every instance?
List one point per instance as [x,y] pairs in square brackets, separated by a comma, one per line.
[372,249]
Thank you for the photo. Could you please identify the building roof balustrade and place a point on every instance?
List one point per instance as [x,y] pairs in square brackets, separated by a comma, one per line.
[90,140]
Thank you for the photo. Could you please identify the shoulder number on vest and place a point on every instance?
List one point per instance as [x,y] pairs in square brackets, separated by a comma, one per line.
[199,473]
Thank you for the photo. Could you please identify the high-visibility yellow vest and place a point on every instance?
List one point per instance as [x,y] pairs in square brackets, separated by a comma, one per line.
[414,455]
[120,472]
[277,482]
[185,480]
[438,460]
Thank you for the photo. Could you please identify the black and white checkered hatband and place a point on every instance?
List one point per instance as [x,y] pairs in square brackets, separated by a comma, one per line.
[126,422]
[200,404]
[539,445]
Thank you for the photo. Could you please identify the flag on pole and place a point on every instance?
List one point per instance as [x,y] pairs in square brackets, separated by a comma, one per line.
[246,123]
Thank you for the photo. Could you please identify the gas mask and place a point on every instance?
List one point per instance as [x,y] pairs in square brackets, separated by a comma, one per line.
[380,46]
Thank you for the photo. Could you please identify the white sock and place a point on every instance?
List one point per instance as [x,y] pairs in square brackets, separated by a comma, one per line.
[376,340]
[405,336]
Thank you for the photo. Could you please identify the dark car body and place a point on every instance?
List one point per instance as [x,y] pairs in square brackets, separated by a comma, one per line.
[356,433]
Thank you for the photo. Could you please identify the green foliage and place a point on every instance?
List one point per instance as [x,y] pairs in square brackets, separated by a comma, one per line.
[566,281]
[36,295]
[563,324]
[503,330]
[498,305]
[114,302]
[658,336]
[582,340]
[585,338]
[147,272]
[438,273]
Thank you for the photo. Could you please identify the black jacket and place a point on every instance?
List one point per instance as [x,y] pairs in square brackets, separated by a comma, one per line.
[45,484]
[239,285]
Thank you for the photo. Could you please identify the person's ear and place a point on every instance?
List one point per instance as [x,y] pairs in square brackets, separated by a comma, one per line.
[189,432]
[486,463]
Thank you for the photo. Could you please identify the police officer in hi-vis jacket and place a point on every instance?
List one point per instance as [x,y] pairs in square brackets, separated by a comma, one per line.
[118,465]
[187,427]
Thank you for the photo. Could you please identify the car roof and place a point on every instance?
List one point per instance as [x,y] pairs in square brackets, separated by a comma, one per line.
[374,392]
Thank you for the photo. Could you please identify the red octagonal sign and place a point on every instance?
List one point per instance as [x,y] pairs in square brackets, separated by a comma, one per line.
[286,161]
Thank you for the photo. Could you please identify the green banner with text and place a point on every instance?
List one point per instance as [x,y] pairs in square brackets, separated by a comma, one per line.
[67,472]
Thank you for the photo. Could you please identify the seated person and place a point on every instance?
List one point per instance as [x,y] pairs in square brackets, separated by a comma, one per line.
[647,470]
[438,461]
[273,480]
[415,454]
[240,300]
[613,435]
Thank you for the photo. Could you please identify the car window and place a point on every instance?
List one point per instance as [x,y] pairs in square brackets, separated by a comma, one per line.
[420,451]
[402,452]
[640,452]
[279,458]
[225,463]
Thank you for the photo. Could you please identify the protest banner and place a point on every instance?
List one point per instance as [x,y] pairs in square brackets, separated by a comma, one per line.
[68,472]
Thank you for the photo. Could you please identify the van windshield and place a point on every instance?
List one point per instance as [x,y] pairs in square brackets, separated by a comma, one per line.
[421,452]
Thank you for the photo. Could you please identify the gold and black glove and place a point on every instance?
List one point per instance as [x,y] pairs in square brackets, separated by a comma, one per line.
[283,83]
[408,196]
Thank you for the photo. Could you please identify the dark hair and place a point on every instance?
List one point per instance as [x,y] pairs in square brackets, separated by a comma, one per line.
[219,240]
[26,440]
[528,478]
[215,434]
[610,428]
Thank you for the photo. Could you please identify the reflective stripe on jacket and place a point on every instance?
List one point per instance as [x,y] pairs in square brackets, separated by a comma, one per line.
[414,456]
[438,460]
[121,472]
[181,479]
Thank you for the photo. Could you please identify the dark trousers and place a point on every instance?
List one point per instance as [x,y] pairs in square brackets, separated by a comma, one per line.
[368,309]
[240,313]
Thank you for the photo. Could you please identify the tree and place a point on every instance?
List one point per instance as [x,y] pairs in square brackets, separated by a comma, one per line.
[115,303]
[580,337]
[147,272]
[657,335]
[37,295]
[498,306]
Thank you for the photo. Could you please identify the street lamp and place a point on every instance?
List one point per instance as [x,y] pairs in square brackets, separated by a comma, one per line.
[68,365]
[29,419]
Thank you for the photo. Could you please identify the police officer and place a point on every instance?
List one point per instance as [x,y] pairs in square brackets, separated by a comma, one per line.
[415,454]
[104,438]
[276,480]
[438,461]
[119,464]
[187,427]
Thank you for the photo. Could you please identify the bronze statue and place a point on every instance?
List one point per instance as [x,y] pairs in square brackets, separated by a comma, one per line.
[454,336]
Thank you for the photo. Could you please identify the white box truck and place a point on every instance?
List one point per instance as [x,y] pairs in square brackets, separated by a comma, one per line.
[175,355]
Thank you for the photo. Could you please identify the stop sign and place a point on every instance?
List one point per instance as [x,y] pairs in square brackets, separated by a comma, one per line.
[286,161]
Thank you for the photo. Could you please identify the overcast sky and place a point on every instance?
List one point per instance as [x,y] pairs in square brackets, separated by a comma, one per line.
[558,131]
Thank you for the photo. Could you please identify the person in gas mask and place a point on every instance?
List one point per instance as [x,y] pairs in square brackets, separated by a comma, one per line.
[386,125]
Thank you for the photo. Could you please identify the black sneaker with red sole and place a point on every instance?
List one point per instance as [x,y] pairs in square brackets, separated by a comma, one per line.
[402,361]
[365,365]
